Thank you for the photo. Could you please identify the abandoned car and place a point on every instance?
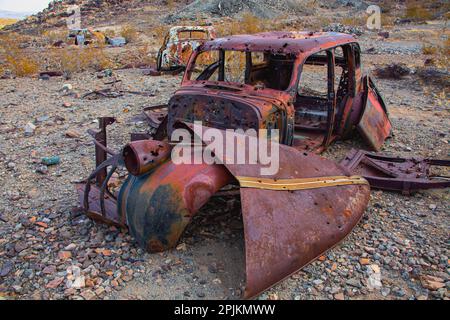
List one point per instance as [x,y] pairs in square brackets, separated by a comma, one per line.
[178,45]
[309,86]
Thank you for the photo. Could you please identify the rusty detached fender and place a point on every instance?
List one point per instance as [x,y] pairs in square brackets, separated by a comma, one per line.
[290,218]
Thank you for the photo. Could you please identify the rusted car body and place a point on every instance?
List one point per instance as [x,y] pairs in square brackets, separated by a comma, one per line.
[178,45]
[256,82]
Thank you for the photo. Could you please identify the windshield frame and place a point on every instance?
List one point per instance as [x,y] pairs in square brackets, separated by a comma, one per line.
[291,88]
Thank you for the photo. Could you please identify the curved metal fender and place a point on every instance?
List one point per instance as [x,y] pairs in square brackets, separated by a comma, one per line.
[286,230]
[160,204]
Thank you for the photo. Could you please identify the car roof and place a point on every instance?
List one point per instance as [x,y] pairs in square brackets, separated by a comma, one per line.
[281,42]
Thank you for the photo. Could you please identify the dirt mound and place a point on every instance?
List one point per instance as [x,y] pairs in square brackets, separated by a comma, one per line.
[226,8]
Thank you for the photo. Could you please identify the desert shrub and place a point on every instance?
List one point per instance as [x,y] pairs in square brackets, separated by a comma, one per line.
[355,21]
[392,71]
[170,4]
[110,33]
[19,61]
[77,59]
[54,36]
[434,76]
[429,49]
[22,65]
[416,11]
[129,32]
[440,50]
[159,33]
[137,57]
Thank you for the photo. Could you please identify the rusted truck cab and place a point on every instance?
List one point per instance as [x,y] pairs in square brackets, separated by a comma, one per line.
[179,43]
[309,86]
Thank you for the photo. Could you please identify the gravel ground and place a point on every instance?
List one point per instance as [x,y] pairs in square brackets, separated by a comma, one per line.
[47,251]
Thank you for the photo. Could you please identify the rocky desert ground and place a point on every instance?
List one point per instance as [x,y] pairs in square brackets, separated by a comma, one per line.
[48,250]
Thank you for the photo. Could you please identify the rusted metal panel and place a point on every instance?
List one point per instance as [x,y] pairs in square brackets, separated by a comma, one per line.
[395,173]
[374,124]
[161,204]
[284,230]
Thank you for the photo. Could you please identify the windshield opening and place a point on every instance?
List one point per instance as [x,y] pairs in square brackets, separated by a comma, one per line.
[259,69]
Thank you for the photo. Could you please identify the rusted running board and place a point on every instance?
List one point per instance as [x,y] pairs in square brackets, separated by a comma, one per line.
[394,173]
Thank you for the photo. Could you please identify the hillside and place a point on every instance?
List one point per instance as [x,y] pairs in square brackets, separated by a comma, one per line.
[6,21]
[98,12]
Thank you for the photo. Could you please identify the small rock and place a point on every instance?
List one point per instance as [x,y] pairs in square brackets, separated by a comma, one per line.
[79,283]
[339,296]
[49,270]
[273,296]
[67,87]
[99,291]
[364,261]
[354,282]
[29,129]
[20,246]
[71,133]
[432,283]
[64,255]
[55,283]
[42,169]
[385,292]
[70,247]
[88,295]
[6,268]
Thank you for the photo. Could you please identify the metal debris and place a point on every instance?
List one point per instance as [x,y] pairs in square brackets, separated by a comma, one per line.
[395,173]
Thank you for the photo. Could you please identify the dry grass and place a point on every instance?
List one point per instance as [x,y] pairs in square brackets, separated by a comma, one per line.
[137,57]
[110,33]
[6,22]
[159,34]
[170,4]
[51,37]
[76,59]
[429,49]
[439,50]
[417,11]
[129,32]
[355,21]
[17,60]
